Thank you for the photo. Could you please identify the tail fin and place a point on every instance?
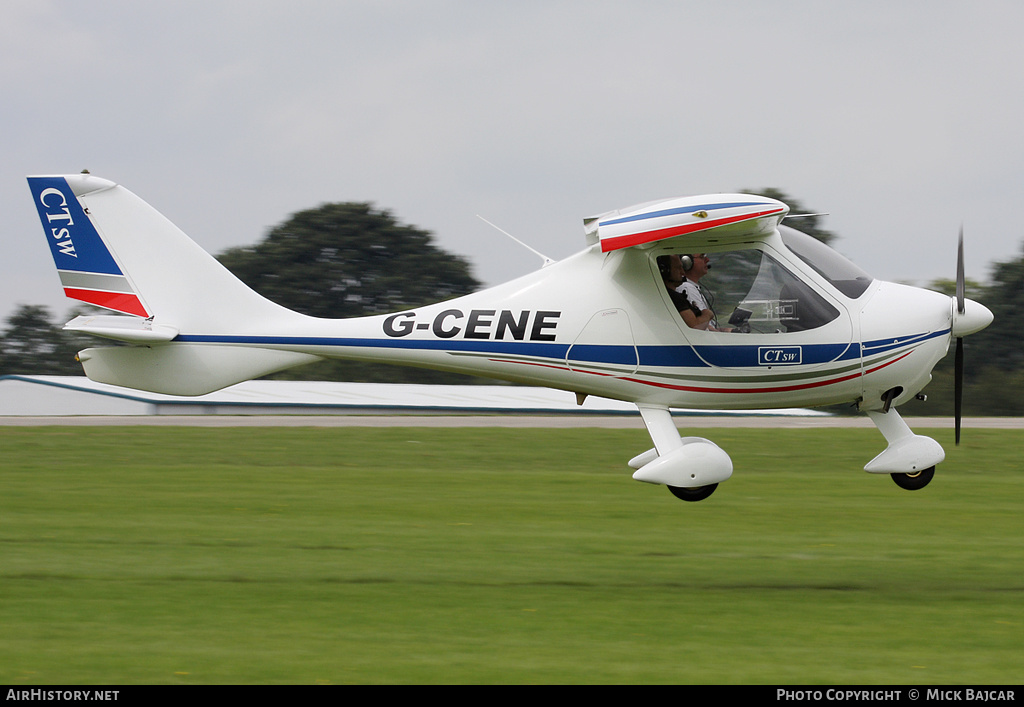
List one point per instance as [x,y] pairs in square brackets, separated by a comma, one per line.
[114,250]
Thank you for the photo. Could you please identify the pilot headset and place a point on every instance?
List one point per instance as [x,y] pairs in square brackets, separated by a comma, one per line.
[708,296]
[663,264]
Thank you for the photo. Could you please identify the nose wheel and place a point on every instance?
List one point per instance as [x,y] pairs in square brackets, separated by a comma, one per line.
[914,481]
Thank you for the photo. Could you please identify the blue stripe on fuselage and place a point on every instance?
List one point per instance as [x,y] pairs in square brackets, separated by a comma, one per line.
[745,356]
[681,356]
[883,345]
[557,351]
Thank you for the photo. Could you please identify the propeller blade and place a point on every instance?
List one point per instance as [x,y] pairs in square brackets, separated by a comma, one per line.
[958,362]
[960,273]
[958,386]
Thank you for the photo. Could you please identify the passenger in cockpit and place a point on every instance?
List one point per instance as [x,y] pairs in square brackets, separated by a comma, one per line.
[671,269]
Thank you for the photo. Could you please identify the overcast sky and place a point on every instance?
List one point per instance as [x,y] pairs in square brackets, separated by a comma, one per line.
[902,120]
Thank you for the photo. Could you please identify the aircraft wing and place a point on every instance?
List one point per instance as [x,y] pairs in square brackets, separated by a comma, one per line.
[686,219]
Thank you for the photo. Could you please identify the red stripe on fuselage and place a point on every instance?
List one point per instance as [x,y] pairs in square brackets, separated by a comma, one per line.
[777,389]
[696,389]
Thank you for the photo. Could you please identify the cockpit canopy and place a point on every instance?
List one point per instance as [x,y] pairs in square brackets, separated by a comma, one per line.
[756,288]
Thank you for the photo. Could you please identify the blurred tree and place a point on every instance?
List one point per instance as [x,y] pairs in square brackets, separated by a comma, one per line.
[972,288]
[32,345]
[808,224]
[999,344]
[348,260]
[993,358]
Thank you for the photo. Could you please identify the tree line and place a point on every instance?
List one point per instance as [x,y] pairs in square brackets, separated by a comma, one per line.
[353,259]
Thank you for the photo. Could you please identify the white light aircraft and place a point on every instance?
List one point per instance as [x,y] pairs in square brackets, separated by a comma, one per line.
[806,326]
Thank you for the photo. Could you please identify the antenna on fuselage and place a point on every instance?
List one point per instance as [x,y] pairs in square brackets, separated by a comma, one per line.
[546,259]
[803,215]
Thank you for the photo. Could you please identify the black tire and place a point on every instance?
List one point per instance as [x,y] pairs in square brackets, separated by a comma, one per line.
[914,481]
[693,494]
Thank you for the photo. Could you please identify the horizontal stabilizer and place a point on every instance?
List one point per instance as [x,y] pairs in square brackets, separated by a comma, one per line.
[130,329]
[185,369]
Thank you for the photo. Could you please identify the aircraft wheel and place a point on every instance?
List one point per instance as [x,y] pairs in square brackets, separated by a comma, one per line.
[693,494]
[914,481]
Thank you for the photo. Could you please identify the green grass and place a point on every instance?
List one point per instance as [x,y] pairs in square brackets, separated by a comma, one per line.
[272,555]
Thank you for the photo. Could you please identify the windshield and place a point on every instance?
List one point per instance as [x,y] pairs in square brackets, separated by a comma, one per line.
[759,295]
[840,272]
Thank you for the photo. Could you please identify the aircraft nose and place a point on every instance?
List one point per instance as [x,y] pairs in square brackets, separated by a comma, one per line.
[974,318]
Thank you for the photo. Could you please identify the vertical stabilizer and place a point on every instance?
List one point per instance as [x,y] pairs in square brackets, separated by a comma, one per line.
[114,250]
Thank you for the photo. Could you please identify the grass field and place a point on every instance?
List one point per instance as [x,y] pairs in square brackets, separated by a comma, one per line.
[271,555]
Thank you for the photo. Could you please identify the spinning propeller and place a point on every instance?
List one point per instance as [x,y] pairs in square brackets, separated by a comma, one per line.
[968,317]
[958,361]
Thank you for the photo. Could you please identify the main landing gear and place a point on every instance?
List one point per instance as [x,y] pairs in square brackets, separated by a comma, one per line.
[693,494]
[691,467]
[914,481]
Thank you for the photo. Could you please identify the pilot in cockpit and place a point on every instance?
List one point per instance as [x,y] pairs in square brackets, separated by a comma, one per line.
[697,313]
